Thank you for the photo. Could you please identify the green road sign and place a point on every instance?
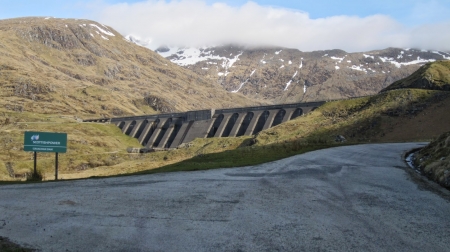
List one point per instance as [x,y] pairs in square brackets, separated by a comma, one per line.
[45,142]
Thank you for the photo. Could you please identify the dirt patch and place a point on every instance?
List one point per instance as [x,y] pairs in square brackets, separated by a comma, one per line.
[428,124]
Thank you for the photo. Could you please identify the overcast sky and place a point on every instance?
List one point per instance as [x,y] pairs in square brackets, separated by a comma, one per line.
[303,24]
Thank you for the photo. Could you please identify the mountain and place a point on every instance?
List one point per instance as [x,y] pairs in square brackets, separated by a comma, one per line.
[434,76]
[279,75]
[68,66]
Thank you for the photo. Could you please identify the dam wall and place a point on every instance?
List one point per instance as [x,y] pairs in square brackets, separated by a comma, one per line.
[166,131]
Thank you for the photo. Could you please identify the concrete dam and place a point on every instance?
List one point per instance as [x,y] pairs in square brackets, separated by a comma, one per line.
[167,131]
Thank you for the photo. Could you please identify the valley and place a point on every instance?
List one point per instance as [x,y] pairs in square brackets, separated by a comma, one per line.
[331,125]
[55,73]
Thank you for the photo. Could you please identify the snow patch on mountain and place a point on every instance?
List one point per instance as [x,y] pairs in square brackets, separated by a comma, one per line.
[358,68]
[338,59]
[227,63]
[289,83]
[191,56]
[240,86]
[138,41]
[102,30]
[243,83]
[447,57]
[400,64]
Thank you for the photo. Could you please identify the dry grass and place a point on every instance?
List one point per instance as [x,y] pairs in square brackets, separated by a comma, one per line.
[395,116]
[434,160]
[51,66]
[435,75]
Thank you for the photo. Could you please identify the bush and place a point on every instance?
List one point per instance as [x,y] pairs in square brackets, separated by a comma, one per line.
[38,176]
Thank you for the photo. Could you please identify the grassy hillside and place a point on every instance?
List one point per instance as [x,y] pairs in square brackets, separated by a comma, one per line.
[83,68]
[434,76]
[399,115]
[434,160]
[100,149]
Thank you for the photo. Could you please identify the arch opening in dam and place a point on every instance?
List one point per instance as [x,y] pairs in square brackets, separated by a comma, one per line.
[216,125]
[121,125]
[150,131]
[162,131]
[245,123]
[261,122]
[171,133]
[297,112]
[230,125]
[279,117]
[130,128]
[141,129]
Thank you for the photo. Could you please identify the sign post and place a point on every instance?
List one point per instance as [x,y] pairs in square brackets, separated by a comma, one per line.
[35,158]
[56,166]
[45,142]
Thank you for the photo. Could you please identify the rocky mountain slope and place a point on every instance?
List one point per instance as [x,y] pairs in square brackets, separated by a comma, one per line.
[81,67]
[279,75]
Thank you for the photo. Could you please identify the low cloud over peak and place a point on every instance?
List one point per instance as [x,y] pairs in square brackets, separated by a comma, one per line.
[196,23]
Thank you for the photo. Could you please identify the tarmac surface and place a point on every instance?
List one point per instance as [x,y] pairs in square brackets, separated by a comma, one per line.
[352,198]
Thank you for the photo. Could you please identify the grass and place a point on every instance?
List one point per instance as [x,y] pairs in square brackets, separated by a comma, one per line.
[243,156]
[434,160]
[8,246]
[89,145]
[435,75]
[96,150]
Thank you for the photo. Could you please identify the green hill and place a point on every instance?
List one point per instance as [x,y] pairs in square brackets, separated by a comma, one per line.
[433,76]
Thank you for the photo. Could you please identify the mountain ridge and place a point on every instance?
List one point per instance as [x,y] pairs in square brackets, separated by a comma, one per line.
[278,75]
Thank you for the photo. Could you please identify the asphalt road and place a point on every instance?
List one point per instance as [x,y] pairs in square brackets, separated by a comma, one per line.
[353,198]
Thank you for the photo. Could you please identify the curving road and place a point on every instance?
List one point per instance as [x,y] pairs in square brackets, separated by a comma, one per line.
[353,198]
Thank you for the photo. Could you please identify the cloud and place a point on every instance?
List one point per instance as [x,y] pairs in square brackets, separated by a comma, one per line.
[196,23]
